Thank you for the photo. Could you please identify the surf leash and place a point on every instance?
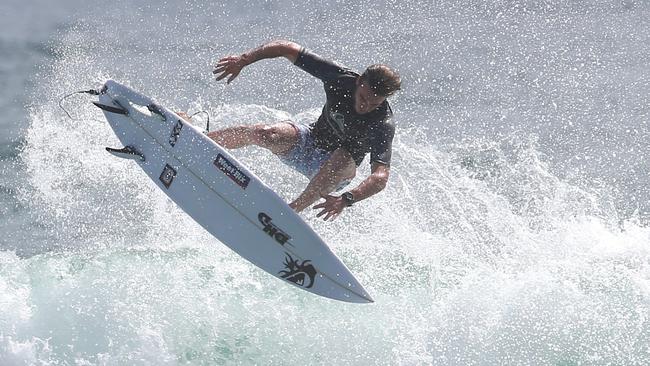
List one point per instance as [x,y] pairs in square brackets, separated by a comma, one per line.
[89,91]
[98,92]
[207,124]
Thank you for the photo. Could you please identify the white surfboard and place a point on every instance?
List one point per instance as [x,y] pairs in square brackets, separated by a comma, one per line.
[223,196]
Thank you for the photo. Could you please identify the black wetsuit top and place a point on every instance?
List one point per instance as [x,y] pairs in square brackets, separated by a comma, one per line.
[339,125]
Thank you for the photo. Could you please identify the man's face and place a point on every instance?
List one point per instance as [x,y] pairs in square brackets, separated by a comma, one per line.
[365,99]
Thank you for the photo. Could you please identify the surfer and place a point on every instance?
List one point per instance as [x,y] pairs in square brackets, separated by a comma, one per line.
[355,121]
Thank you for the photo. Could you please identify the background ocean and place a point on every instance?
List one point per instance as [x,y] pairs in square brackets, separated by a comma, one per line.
[515,228]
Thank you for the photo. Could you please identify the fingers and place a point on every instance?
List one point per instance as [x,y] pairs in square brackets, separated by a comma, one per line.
[225,73]
[329,213]
[234,75]
[329,210]
[226,61]
[231,73]
[227,58]
[222,66]
[331,216]
[227,67]
[326,214]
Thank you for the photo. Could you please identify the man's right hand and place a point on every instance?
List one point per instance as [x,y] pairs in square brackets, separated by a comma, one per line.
[229,66]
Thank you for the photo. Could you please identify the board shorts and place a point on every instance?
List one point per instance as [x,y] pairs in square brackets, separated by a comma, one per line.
[305,157]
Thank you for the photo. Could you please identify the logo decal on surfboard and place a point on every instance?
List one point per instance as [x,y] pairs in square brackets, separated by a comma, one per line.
[167,175]
[173,137]
[273,231]
[232,171]
[302,274]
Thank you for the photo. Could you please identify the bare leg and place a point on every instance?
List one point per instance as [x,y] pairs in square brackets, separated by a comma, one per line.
[339,167]
[279,137]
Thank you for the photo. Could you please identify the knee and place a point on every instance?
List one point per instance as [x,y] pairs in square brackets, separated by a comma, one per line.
[350,171]
[344,163]
[265,134]
[344,176]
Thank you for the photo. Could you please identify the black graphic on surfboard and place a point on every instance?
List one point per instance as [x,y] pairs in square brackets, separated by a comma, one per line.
[298,273]
[232,171]
[167,175]
[176,131]
[272,230]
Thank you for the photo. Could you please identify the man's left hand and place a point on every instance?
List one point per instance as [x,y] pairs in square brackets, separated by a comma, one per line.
[331,208]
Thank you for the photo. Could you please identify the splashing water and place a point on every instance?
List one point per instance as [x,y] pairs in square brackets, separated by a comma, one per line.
[494,243]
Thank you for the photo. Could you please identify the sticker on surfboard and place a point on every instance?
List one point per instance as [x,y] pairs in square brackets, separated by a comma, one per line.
[231,171]
[167,176]
[300,273]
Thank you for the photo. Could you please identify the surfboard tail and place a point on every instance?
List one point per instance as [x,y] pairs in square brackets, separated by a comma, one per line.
[111,109]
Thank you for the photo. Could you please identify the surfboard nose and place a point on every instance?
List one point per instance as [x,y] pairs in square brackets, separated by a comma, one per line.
[359,294]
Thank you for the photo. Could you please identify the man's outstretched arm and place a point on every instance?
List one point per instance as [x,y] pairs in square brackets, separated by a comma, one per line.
[231,66]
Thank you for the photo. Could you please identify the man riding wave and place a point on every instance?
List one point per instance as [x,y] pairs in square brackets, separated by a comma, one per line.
[355,121]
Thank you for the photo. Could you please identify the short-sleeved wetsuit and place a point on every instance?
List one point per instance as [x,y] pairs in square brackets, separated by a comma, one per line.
[339,125]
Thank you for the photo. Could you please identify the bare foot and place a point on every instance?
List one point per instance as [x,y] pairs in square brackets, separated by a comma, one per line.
[184,116]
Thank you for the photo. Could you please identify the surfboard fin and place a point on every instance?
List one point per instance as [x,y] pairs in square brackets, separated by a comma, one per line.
[111,109]
[127,152]
[153,108]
